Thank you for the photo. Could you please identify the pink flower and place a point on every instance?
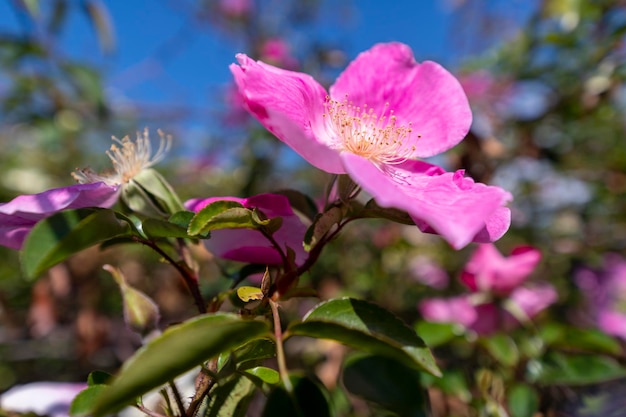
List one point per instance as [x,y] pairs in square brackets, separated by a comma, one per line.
[245,245]
[277,52]
[484,316]
[488,270]
[129,158]
[19,216]
[235,8]
[496,299]
[383,111]
[605,291]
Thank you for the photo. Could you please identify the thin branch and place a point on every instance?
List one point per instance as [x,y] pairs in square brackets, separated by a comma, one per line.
[190,280]
[280,352]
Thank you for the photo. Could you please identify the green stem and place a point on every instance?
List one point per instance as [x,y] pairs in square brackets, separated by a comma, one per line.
[280,352]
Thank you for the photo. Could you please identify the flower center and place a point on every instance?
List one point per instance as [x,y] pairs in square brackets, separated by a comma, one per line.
[363,132]
[128,159]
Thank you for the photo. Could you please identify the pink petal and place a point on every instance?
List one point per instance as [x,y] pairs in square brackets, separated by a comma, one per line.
[449,310]
[455,207]
[488,270]
[19,215]
[533,300]
[613,323]
[425,95]
[488,319]
[252,246]
[291,106]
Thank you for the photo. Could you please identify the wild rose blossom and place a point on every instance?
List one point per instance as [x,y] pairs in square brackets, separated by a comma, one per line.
[20,215]
[245,245]
[605,291]
[384,111]
[497,300]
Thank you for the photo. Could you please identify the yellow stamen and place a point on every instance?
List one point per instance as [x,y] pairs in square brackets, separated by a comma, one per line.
[128,159]
[367,134]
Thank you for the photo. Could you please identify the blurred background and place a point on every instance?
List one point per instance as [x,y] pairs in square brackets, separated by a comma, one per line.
[545,79]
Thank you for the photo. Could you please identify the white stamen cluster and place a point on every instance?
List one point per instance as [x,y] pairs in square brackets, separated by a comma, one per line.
[367,134]
[128,158]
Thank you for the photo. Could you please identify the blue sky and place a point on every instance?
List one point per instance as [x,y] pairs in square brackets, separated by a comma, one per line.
[192,69]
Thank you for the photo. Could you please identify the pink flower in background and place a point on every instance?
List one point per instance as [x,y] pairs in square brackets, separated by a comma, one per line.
[245,245]
[487,270]
[428,272]
[605,291]
[383,111]
[235,8]
[496,300]
[277,52]
[19,216]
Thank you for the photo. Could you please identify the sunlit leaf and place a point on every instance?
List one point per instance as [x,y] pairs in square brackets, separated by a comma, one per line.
[179,349]
[369,328]
[83,402]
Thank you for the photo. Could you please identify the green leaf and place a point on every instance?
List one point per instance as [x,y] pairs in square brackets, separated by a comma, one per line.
[155,228]
[502,347]
[436,334]
[247,293]
[579,369]
[231,398]
[523,401]
[264,374]
[98,378]
[386,383]
[150,195]
[373,211]
[178,349]
[300,202]
[306,399]
[54,239]
[369,328]
[247,356]
[592,340]
[221,214]
[141,313]
[83,403]
[323,223]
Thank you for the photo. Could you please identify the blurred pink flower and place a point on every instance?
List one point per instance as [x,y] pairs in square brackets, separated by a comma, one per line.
[428,272]
[605,291]
[383,111]
[496,300]
[245,245]
[489,271]
[277,52]
[235,8]
[19,216]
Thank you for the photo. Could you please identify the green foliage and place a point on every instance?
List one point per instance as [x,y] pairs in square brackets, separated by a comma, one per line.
[193,342]
[305,398]
[369,328]
[54,239]
[386,383]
